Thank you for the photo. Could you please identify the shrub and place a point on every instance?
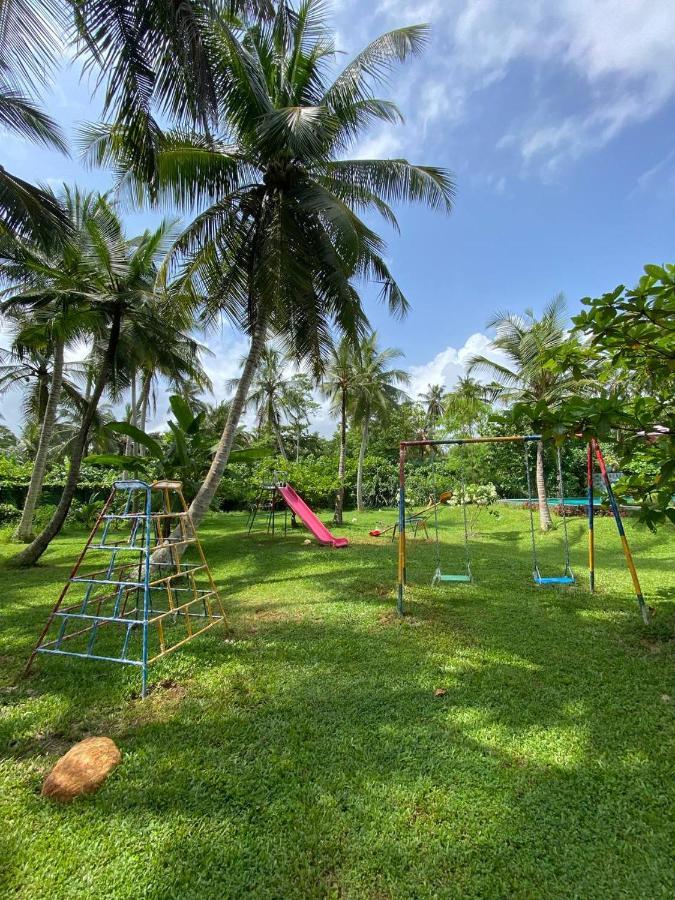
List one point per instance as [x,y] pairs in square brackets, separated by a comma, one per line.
[9,514]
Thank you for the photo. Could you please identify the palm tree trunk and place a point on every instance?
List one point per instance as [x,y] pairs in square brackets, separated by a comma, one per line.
[280,440]
[130,446]
[362,457]
[298,431]
[34,551]
[544,512]
[340,498]
[200,505]
[145,401]
[24,530]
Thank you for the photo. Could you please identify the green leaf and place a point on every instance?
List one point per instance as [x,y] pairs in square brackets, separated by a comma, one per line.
[247,455]
[117,461]
[181,410]
[137,435]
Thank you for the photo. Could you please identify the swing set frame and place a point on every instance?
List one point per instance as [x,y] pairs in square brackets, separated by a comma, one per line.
[594,453]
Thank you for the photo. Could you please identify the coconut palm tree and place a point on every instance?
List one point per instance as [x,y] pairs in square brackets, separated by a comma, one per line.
[281,240]
[45,297]
[374,394]
[268,394]
[120,291]
[467,404]
[29,46]
[527,377]
[433,401]
[340,380]
[299,405]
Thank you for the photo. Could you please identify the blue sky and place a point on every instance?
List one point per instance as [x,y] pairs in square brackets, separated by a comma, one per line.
[557,122]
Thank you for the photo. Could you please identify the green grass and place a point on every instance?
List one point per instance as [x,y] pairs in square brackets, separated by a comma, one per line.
[304,752]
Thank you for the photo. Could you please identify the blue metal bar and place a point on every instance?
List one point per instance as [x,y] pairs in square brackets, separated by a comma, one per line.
[105,581]
[125,646]
[45,648]
[102,619]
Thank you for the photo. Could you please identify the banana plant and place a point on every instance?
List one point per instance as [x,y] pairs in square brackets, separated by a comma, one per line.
[185,454]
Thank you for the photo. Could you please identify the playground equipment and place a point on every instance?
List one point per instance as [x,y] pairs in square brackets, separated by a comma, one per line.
[154,592]
[417,519]
[266,502]
[441,577]
[567,577]
[298,508]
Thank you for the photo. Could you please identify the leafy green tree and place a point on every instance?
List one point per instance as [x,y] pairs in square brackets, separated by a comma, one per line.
[268,394]
[433,403]
[46,280]
[467,406]
[119,288]
[185,453]
[339,383]
[527,377]
[299,406]
[628,350]
[374,394]
[281,240]
[28,48]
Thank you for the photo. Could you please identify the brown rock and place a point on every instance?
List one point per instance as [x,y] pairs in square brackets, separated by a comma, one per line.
[82,770]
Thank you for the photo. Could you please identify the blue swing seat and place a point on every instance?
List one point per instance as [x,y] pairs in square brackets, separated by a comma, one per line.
[554,579]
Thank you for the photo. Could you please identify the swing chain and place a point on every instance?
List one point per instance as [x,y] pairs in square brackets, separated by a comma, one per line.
[530,504]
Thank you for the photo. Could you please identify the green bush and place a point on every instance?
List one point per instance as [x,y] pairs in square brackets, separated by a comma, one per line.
[9,514]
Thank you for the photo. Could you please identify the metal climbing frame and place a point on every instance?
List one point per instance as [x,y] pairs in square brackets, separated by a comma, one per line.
[593,451]
[140,588]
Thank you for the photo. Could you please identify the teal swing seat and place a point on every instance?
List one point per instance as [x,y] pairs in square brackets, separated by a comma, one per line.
[439,576]
[567,578]
[568,575]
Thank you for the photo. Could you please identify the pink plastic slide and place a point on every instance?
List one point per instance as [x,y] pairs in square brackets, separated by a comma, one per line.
[309,519]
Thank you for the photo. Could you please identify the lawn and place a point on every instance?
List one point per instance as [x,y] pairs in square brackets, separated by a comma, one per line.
[501,740]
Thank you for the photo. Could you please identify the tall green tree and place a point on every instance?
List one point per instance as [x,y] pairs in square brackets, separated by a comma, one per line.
[376,391]
[467,405]
[46,282]
[338,385]
[268,395]
[281,242]
[29,46]
[433,402]
[527,343]
[299,406]
[119,290]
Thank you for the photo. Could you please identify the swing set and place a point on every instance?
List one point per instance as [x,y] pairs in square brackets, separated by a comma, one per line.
[567,576]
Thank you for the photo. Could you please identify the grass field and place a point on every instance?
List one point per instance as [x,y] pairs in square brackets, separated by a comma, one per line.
[501,740]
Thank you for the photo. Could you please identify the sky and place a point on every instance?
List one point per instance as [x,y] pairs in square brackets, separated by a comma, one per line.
[556,120]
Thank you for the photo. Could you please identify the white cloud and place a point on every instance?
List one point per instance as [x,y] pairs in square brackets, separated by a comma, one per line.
[615,55]
[450,364]
[383,145]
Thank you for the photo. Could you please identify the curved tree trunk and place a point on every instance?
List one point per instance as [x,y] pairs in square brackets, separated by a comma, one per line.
[34,551]
[145,402]
[340,497]
[362,457]
[200,505]
[130,446]
[544,511]
[280,441]
[24,530]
